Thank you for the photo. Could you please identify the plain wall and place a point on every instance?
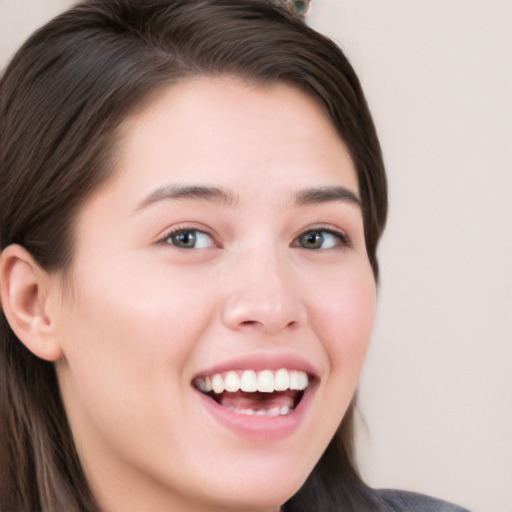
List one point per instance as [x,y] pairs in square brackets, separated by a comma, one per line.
[436,392]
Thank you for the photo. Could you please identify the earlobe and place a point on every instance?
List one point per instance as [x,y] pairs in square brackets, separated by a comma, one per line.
[25,302]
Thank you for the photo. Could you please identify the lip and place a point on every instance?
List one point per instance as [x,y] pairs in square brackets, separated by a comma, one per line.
[258,428]
[261,428]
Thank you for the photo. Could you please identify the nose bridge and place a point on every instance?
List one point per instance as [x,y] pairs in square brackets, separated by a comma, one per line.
[264,293]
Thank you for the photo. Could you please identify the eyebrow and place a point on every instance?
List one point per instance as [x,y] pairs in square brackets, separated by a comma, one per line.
[224,197]
[177,192]
[325,195]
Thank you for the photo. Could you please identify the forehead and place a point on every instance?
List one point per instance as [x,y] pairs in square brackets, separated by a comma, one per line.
[230,123]
[263,145]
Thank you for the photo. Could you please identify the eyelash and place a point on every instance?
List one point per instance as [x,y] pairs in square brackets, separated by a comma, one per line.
[339,235]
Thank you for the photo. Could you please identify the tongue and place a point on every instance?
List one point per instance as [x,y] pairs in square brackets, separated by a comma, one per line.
[258,401]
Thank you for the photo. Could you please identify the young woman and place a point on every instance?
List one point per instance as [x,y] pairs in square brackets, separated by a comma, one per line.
[192,196]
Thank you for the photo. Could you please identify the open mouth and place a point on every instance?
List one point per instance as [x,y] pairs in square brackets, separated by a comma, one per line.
[251,392]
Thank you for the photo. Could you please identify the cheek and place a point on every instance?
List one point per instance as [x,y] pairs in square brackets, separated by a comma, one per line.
[127,340]
[346,314]
[343,313]
[128,330]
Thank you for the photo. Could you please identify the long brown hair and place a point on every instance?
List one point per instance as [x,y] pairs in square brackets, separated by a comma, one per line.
[62,99]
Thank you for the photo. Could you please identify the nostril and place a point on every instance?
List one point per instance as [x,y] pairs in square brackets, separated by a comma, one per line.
[250,323]
[256,323]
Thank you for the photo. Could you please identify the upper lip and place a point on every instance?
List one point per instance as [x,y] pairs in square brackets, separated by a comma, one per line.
[258,362]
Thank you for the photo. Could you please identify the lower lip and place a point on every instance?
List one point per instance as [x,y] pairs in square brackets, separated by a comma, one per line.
[261,428]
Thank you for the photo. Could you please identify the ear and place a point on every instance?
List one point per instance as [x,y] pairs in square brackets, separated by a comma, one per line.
[24,296]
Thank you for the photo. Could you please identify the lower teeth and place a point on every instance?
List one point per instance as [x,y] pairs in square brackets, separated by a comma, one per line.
[262,412]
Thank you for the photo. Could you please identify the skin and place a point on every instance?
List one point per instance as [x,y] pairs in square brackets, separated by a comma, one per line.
[142,317]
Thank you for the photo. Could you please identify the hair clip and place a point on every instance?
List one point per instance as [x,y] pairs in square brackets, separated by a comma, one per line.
[300,8]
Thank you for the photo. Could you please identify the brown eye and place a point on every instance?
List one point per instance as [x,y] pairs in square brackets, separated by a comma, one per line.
[190,239]
[321,239]
[312,240]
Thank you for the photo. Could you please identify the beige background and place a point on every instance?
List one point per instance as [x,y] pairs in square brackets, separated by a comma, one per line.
[436,393]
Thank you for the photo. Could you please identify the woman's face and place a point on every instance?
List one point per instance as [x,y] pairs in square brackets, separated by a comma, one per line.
[226,251]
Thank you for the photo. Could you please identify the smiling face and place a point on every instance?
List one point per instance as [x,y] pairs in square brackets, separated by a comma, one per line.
[221,302]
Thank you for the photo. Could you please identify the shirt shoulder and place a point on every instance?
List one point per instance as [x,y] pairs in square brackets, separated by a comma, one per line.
[404,501]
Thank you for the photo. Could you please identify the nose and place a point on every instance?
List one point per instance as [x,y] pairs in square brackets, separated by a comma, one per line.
[264,294]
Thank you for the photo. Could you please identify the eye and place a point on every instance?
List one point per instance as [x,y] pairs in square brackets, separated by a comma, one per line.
[322,239]
[185,238]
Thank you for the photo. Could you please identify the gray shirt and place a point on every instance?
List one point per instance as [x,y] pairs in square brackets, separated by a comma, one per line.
[403,501]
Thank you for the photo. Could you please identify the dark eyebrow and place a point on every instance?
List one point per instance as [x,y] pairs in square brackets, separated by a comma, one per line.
[325,195]
[177,192]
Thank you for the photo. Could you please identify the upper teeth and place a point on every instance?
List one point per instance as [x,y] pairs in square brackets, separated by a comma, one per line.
[265,381]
